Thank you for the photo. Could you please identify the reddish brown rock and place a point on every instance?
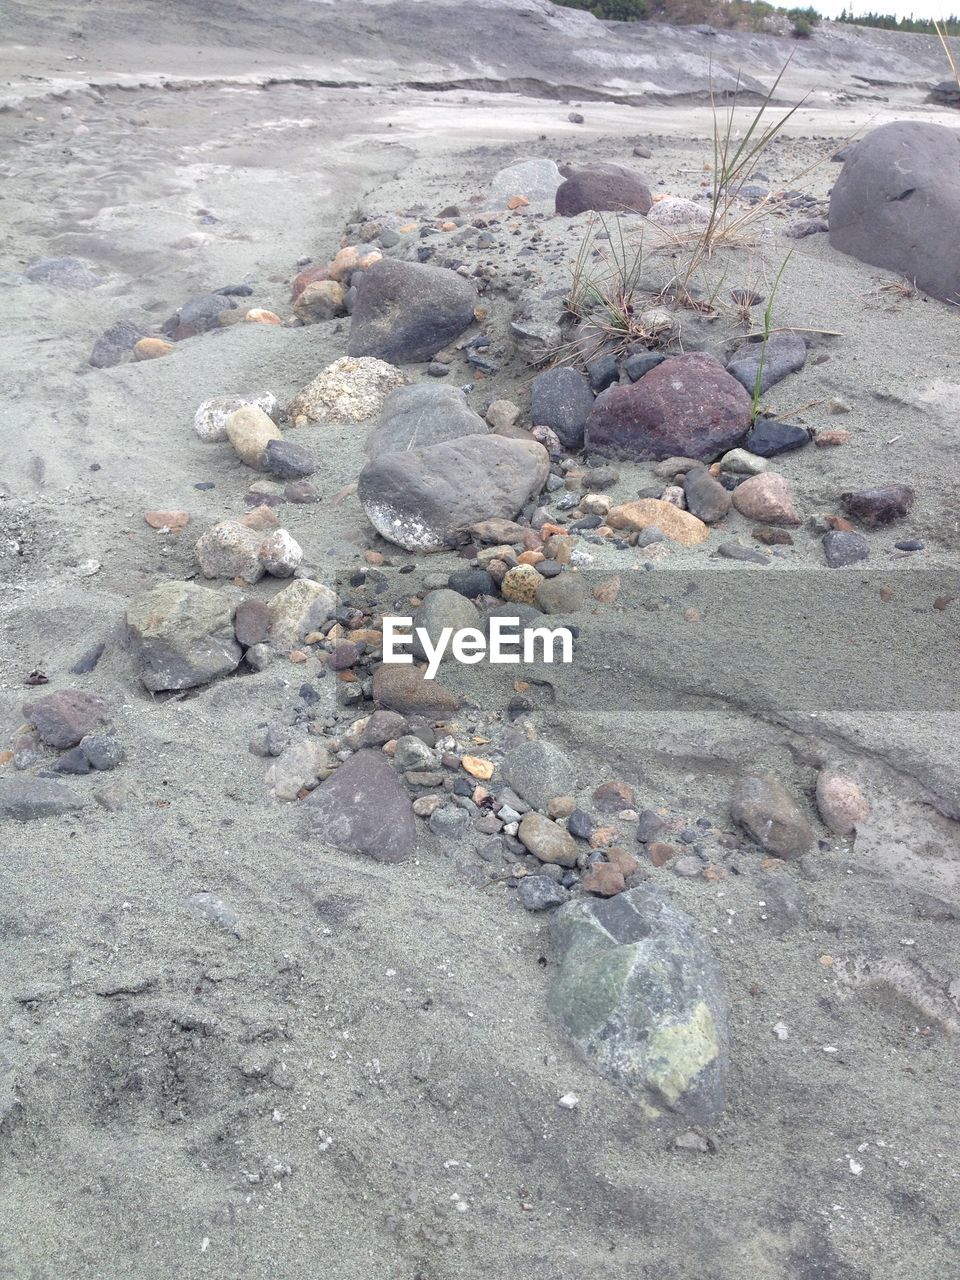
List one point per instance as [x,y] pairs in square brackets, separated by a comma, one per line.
[61,719]
[172,520]
[309,275]
[660,854]
[399,687]
[251,624]
[611,797]
[604,880]
[688,405]
[767,498]
[601,187]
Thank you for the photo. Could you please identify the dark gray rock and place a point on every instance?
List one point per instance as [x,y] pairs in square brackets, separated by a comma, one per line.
[896,204]
[641,996]
[538,771]
[197,315]
[363,808]
[650,825]
[603,372]
[61,273]
[381,727]
[449,822]
[769,437]
[770,816]
[287,460]
[420,415]
[706,497]
[561,399]
[426,499]
[472,583]
[73,761]
[878,506]
[688,406]
[182,635]
[540,893]
[103,751]
[24,799]
[116,343]
[748,555]
[406,311]
[602,187]
[842,547]
[641,362]
[781,354]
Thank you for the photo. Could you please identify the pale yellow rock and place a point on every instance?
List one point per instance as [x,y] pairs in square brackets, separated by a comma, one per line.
[477,767]
[250,430]
[520,584]
[679,526]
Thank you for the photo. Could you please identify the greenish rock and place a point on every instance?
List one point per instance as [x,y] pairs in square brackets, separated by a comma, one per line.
[564,594]
[182,635]
[642,998]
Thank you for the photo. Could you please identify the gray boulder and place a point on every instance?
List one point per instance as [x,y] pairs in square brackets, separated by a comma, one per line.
[24,799]
[770,816]
[536,179]
[896,204]
[182,635]
[407,311]
[782,354]
[561,399]
[197,315]
[538,771]
[426,499]
[423,414]
[641,996]
[363,808]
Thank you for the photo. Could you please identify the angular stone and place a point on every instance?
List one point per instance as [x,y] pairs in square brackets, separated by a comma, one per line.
[381,727]
[230,550]
[287,460]
[781,354]
[280,554]
[641,996]
[706,497]
[640,363]
[770,816]
[427,499]
[24,799]
[402,687]
[766,498]
[536,179]
[298,609]
[183,636]
[678,526]
[407,311]
[250,430]
[564,594]
[688,405]
[363,808]
[540,893]
[538,771]
[349,390]
[602,187]
[896,204]
[420,415]
[299,766]
[879,506]
[103,751]
[546,841]
[318,301]
[210,420]
[61,719]
[562,400]
[768,438]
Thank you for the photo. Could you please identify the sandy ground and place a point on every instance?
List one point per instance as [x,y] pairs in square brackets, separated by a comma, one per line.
[364,1082]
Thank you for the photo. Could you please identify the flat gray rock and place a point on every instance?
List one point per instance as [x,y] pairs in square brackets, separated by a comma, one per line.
[782,354]
[896,204]
[363,808]
[408,311]
[423,414]
[426,499]
[182,635]
[641,996]
[24,799]
[61,273]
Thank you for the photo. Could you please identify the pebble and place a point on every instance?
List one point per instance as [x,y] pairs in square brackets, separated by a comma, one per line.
[649,824]
[210,420]
[280,554]
[352,389]
[766,498]
[842,547]
[688,866]
[604,880]
[770,437]
[26,798]
[547,841]
[287,460]
[231,550]
[563,594]
[521,584]
[540,893]
[770,816]
[706,498]
[151,348]
[907,544]
[478,767]
[250,430]
[103,751]
[449,822]
[169,521]
[660,853]
[734,551]
[879,506]
[742,462]
[679,526]
[472,583]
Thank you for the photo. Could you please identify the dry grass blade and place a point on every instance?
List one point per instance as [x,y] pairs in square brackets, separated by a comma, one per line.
[941,31]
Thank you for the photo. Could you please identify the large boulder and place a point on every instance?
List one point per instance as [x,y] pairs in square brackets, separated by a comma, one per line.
[688,406]
[182,635]
[562,400]
[363,808]
[423,414]
[602,187]
[407,311]
[642,998]
[426,499]
[896,204]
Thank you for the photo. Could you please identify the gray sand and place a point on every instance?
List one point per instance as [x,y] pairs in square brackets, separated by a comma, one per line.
[364,1082]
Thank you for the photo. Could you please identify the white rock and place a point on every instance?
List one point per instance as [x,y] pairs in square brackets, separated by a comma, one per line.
[298,609]
[280,554]
[569,1101]
[210,420]
[352,389]
[303,764]
[230,550]
[674,211]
